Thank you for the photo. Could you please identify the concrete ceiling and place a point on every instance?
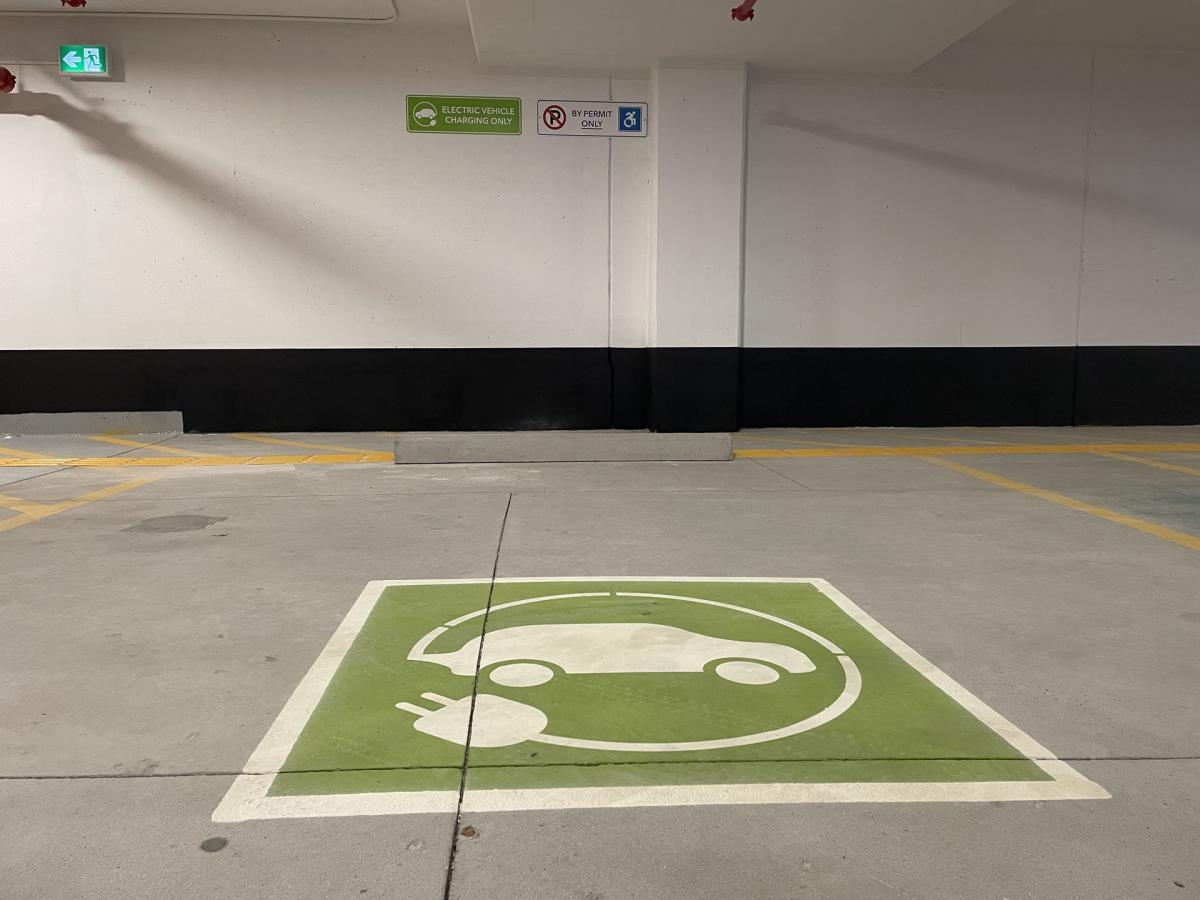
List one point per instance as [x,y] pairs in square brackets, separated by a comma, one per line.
[625,35]
[1113,23]
[818,35]
[367,10]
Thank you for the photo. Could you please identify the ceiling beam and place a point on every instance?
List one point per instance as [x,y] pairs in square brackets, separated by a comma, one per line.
[817,35]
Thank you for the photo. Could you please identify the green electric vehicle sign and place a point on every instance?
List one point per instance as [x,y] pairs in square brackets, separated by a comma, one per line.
[464,115]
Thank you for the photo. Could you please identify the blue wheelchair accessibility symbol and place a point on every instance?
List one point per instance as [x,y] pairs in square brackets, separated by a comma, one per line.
[629,118]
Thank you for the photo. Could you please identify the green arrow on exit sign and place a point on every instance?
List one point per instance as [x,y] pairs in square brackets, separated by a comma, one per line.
[82,59]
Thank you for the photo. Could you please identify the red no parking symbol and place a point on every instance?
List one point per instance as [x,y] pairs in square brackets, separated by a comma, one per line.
[554,117]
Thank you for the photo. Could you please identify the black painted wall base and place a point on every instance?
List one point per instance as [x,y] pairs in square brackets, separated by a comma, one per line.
[1138,386]
[694,388]
[833,387]
[665,389]
[323,390]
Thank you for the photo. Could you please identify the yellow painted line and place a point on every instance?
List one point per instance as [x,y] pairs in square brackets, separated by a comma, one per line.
[1029,434]
[279,460]
[26,507]
[1005,449]
[948,440]
[100,494]
[140,445]
[1192,542]
[883,433]
[1081,438]
[365,456]
[263,439]
[24,454]
[35,459]
[48,510]
[775,440]
[155,462]
[1182,431]
[1156,463]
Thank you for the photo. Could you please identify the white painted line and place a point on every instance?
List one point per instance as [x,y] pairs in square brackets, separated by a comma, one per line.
[247,807]
[760,794]
[247,798]
[964,698]
[542,579]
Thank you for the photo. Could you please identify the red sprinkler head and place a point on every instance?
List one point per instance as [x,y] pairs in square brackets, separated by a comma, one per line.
[8,81]
[743,11]
[74,4]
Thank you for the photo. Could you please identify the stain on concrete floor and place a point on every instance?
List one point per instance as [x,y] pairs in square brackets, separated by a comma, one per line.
[173,524]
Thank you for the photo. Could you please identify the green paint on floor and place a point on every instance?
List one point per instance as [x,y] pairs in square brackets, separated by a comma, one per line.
[356,740]
[632,683]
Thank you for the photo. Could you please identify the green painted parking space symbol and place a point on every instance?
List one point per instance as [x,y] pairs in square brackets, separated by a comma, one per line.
[628,691]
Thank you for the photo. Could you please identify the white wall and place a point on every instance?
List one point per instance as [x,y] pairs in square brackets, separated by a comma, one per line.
[699,142]
[947,208]
[253,185]
[1141,279]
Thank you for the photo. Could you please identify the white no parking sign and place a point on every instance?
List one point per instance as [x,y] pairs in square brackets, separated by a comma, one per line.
[598,118]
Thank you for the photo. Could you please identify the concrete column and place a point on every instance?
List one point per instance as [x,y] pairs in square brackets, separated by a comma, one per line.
[699,130]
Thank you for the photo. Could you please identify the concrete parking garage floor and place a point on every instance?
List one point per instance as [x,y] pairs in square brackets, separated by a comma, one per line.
[158,616]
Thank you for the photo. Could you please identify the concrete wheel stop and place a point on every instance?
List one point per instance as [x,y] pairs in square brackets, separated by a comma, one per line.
[424,448]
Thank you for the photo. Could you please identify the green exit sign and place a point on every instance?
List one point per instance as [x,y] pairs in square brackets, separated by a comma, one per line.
[82,59]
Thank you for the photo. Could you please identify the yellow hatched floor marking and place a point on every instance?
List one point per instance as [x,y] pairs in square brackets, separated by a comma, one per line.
[358,456]
[28,458]
[47,510]
[1005,449]
[140,445]
[1145,433]
[285,442]
[1016,432]
[24,454]
[906,433]
[938,437]
[1192,542]
[155,462]
[26,507]
[1156,463]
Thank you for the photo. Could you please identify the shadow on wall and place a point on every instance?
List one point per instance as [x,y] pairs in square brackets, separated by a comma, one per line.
[287,227]
[1186,217]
